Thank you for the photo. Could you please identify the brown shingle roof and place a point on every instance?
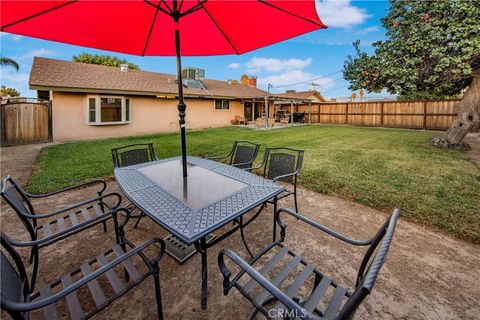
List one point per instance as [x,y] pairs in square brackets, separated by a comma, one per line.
[301,95]
[59,74]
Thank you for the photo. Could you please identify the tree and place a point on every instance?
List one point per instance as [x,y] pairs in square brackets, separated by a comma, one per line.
[104,60]
[432,51]
[9,62]
[9,92]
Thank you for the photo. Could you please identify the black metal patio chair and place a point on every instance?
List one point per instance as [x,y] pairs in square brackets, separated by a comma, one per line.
[242,155]
[291,288]
[96,282]
[47,228]
[131,155]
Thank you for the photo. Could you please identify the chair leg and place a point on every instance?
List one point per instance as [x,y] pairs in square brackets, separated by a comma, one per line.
[274,222]
[31,256]
[158,296]
[295,199]
[138,220]
[35,268]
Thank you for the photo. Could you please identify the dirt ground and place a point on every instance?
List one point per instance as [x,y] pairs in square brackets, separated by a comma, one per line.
[428,275]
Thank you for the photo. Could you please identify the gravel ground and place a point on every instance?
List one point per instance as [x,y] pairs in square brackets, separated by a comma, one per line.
[428,275]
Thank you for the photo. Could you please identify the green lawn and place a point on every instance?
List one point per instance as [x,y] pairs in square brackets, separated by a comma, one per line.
[381,168]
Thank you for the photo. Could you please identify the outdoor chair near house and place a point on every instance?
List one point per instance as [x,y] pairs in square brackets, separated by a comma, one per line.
[96,281]
[242,155]
[238,119]
[264,281]
[48,228]
[130,155]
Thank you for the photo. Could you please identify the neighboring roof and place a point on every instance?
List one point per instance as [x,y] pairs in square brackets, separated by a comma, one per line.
[60,75]
[302,95]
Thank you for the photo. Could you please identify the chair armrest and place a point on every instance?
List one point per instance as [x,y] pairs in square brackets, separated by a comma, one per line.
[327,230]
[22,307]
[80,204]
[104,186]
[242,164]
[219,157]
[285,175]
[82,226]
[257,276]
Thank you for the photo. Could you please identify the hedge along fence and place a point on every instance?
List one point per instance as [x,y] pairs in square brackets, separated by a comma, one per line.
[418,114]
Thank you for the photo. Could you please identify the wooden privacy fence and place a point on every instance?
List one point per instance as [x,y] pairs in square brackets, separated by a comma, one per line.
[418,114]
[26,121]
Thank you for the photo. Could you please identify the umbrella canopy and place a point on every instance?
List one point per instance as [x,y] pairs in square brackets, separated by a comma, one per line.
[153,28]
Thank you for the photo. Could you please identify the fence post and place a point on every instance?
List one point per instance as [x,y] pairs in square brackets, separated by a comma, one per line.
[318,114]
[425,115]
[346,113]
[381,114]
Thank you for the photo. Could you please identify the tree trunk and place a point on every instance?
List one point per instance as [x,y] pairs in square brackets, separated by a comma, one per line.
[468,118]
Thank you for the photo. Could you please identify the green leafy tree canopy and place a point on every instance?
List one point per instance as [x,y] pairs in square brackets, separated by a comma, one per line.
[104,60]
[431,50]
[11,92]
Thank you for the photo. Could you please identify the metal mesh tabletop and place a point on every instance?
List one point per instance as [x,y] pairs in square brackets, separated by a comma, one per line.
[190,208]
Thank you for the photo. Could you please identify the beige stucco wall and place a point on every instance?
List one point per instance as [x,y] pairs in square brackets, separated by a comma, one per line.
[148,115]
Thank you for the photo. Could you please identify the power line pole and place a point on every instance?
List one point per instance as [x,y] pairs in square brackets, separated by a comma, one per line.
[315,85]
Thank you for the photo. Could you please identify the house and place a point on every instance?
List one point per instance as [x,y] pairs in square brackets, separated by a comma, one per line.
[291,102]
[312,95]
[94,101]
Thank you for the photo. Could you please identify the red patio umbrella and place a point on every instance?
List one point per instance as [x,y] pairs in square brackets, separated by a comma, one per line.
[152,28]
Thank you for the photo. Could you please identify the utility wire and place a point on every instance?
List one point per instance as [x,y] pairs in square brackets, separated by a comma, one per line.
[307,81]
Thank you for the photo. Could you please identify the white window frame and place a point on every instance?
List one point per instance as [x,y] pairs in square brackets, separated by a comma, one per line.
[98,114]
[223,100]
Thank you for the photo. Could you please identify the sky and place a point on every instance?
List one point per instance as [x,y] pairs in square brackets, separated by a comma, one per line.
[317,54]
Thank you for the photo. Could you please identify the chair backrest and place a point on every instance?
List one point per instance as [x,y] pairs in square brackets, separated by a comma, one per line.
[15,289]
[16,197]
[133,154]
[245,153]
[281,161]
[371,265]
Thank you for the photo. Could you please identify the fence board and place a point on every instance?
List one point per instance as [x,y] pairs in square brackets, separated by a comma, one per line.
[427,114]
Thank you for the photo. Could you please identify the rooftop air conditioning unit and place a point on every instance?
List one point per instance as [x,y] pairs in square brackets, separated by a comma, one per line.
[190,73]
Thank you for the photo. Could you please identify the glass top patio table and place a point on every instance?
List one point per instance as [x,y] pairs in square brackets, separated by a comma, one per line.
[190,208]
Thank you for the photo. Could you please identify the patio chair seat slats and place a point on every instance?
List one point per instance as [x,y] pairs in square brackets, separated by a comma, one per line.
[73,219]
[317,294]
[47,230]
[61,224]
[279,278]
[98,210]
[296,285]
[266,268]
[114,280]
[86,214]
[94,287]
[74,306]
[340,294]
[128,264]
[50,311]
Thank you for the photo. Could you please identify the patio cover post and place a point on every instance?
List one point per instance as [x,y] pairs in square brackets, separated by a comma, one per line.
[291,111]
[266,112]
[253,110]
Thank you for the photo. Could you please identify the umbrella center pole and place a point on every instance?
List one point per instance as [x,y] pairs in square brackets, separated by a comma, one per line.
[181,103]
